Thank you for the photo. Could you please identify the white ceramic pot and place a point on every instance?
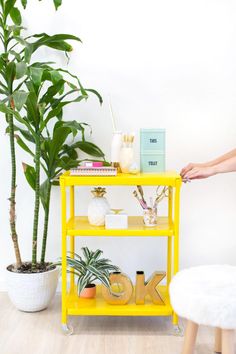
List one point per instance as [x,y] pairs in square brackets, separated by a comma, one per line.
[32,292]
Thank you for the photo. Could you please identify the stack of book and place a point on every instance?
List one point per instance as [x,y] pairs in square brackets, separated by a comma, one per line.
[91,168]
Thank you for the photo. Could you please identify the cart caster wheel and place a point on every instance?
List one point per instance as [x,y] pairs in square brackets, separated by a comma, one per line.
[178,331]
[67,329]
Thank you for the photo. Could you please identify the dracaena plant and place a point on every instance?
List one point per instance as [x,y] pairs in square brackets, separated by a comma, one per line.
[58,156]
[90,267]
[41,106]
[15,55]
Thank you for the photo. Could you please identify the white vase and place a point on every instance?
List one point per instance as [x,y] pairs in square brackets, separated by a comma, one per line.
[98,207]
[126,158]
[116,146]
[32,292]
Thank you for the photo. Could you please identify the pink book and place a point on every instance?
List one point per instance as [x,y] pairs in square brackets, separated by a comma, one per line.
[93,163]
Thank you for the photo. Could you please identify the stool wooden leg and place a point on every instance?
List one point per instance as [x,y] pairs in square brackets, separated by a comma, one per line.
[227,341]
[190,338]
[218,340]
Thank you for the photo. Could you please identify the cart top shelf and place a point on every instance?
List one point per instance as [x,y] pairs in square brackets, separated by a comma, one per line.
[169,178]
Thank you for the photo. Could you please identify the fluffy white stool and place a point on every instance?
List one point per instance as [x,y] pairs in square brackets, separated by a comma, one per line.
[206,295]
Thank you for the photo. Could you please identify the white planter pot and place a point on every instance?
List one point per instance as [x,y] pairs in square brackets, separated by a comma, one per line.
[32,292]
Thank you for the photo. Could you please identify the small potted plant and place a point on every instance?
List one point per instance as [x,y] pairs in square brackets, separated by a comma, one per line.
[89,268]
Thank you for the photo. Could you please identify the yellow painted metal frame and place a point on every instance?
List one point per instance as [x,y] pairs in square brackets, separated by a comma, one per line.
[73,226]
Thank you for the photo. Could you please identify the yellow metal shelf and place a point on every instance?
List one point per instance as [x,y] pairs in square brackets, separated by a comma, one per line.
[79,226]
[99,307]
[168,178]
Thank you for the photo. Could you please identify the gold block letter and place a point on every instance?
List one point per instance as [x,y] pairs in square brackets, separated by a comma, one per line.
[148,288]
[118,297]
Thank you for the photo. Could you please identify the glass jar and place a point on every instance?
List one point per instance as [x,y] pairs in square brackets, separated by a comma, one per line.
[150,217]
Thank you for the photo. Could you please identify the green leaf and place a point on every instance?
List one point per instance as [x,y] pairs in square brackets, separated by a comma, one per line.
[1,63]
[89,148]
[86,253]
[24,133]
[97,254]
[57,3]
[21,40]
[78,265]
[16,16]
[8,6]
[44,37]
[24,3]
[32,109]
[44,193]
[21,69]
[97,94]
[22,144]
[99,275]
[60,45]
[42,107]
[52,91]
[56,41]
[19,98]
[74,126]
[83,91]
[16,30]
[43,64]
[55,76]
[59,136]
[81,284]
[30,175]
[7,110]
[10,73]
[72,153]
[66,163]
[78,260]
[28,52]
[16,55]
[36,75]
[54,112]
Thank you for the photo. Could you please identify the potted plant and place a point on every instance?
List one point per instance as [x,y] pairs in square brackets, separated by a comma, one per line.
[15,53]
[32,284]
[88,269]
[55,156]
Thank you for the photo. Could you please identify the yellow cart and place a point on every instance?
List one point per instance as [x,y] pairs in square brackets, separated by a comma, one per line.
[72,226]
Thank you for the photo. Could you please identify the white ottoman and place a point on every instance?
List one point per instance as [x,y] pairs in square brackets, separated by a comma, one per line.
[206,295]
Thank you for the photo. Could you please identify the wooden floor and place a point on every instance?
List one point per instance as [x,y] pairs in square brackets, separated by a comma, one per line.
[40,333]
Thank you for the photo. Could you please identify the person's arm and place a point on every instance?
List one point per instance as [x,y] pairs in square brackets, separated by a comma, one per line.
[228,165]
[211,163]
[222,158]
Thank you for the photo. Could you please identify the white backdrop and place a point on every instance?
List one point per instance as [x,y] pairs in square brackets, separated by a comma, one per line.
[166,64]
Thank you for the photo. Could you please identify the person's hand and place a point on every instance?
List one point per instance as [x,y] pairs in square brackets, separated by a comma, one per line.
[189,167]
[199,172]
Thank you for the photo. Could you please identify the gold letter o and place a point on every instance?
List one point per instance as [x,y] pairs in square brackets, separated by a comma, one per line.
[118,298]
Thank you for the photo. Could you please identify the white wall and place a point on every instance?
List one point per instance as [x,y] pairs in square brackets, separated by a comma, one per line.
[168,64]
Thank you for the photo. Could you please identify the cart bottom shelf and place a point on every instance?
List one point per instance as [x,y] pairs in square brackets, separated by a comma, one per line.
[99,307]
